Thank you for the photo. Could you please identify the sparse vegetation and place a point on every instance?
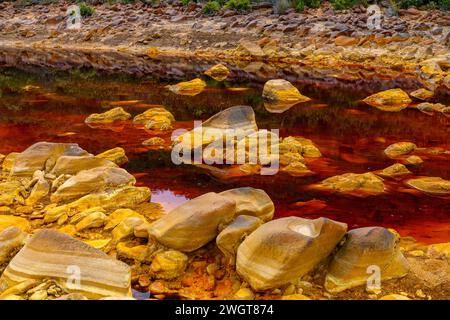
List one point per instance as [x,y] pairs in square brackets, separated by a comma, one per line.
[211,7]
[85,10]
[239,5]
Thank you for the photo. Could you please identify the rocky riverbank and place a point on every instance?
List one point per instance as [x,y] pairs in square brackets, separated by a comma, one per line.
[320,42]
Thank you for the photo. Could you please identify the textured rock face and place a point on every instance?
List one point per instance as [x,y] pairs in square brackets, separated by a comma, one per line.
[282,94]
[231,237]
[251,202]
[188,88]
[354,183]
[112,115]
[283,250]
[51,254]
[40,189]
[8,161]
[92,180]
[218,72]
[363,249]
[116,155]
[389,100]
[11,239]
[10,193]
[399,149]
[74,164]
[431,185]
[195,223]
[43,156]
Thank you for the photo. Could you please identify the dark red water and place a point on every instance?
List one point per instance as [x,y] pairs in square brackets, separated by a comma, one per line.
[350,135]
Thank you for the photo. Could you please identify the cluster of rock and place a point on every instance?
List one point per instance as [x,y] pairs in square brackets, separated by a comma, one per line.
[394,100]
[152,119]
[236,127]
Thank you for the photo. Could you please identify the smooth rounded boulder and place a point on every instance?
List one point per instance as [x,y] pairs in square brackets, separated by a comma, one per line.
[283,250]
[193,224]
[365,251]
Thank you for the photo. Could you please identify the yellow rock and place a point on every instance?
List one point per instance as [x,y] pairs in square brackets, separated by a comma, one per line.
[281,91]
[295,297]
[169,264]
[74,164]
[119,215]
[414,160]
[218,72]
[125,197]
[422,94]
[8,161]
[399,149]
[141,253]
[93,220]
[353,183]
[431,185]
[155,141]
[116,155]
[8,221]
[69,229]
[389,100]
[98,243]
[300,145]
[395,170]
[244,294]
[394,297]
[125,229]
[112,115]
[188,88]
[10,193]
[159,122]
[149,114]
[443,248]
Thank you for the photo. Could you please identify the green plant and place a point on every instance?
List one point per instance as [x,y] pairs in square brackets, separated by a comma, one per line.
[444,5]
[343,4]
[300,5]
[211,7]
[86,10]
[313,3]
[185,2]
[238,5]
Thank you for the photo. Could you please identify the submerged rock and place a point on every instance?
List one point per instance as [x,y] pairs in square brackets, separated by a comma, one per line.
[74,265]
[155,119]
[231,237]
[155,141]
[280,95]
[91,181]
[395,170]
[399,149]
[363,249]
[431,185]
[354,183]
[116,155]
[251,202]
[43,156]
[431,108]
[112,115]
[188,88]
[218,72]
[389,100]
[304,147]
[194,223]
[283,250]
[414,160]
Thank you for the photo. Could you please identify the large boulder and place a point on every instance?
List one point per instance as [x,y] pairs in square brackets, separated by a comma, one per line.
[43,156]
[280,95]
[194,223]
[431,185]
[76,266]
[74,164]
[283,250]
[188,88]
[90,181]
[389,100]
[251,202]
[363,249]
[112,115]
[155,119]
[232,236]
